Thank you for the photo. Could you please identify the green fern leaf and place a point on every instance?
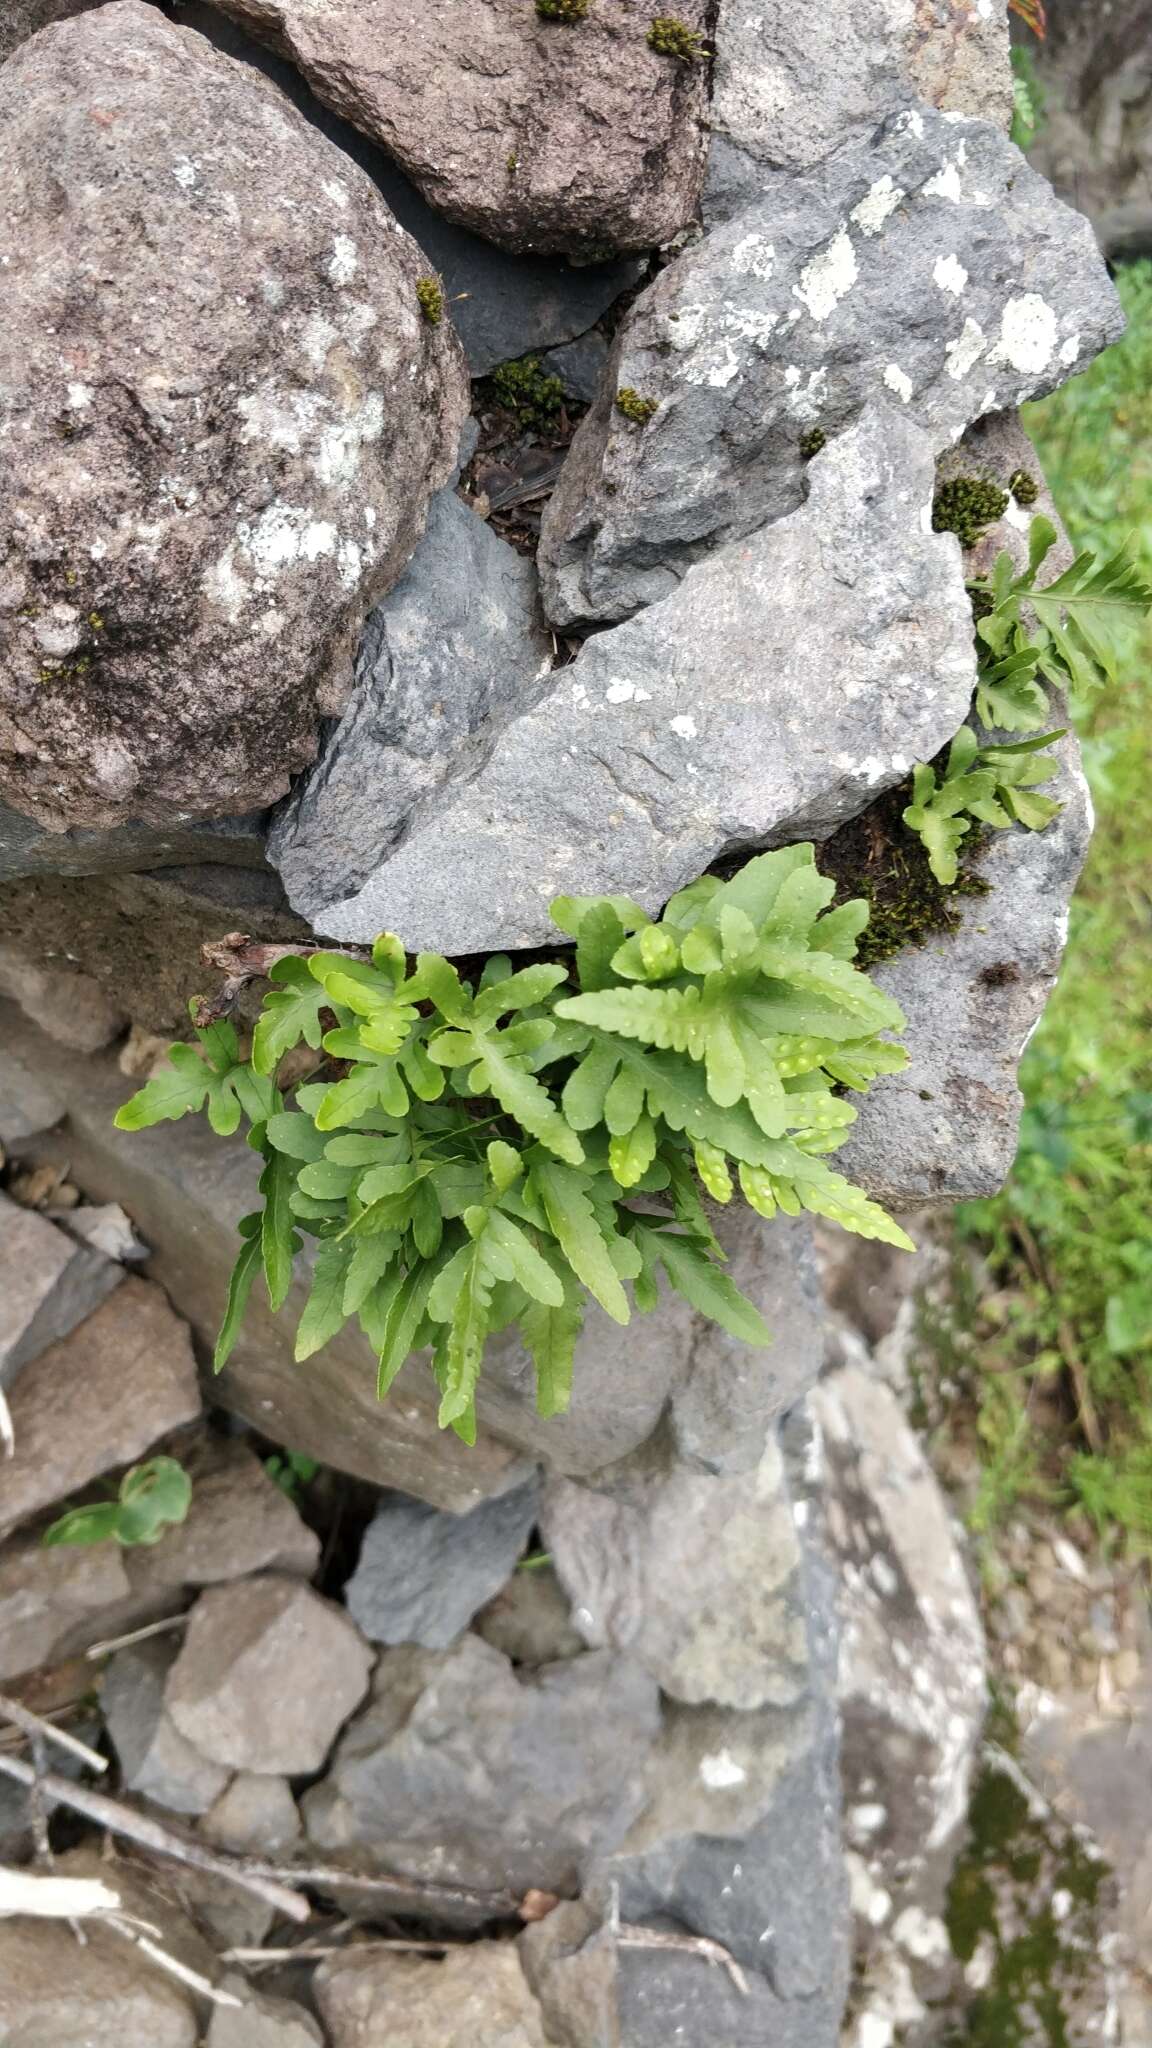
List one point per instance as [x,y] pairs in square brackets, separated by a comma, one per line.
[291,1012]
[563,1196]
[709,1289]
[324,1311]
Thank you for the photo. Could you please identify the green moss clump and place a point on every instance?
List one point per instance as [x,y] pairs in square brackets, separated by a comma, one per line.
[811,442]
[562,10]
[526,390]
[966,505]
[1024,487]
[671,37]
[430,299]
[638,410]
[877,857]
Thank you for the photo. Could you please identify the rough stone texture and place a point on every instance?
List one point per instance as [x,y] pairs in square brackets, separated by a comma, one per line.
[225,507]
[254,1816]
[50,1285]
[423,1574]
[267,1674]
[239,1522]
[580,365]
[456,650]
[530,1620]
[790,87]
[155,1760]
[70,1007]
[262,2022]
[22,18]
[464,1772]
[54,1601]
[571,1961]
[699,1577]
[28,1105]
[105,1227]
[709,723]
[912,1670]
[97,1400]
[476,1998]
[945,1129]
[1094,140]
[929,265]
[27,848]
[538,135]
[502,305]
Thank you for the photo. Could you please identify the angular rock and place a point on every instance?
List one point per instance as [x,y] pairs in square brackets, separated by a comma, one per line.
[54,1602]
[22,18]
[710,723]
[475,1998]
[70,1007]
[205,528]
[98,1400]
[239,1522]
[154,1758]
[105,1227]
[28,1106]
[928,264]
[530,1621]
[422,1574]
[465,1772]
[49,1285]
[789,88]
[27,848]
[699,1577]
[456,650]
[571,1961]
[580,365]
[254,1816]
[539,135]
[261,2022]
[229,1691]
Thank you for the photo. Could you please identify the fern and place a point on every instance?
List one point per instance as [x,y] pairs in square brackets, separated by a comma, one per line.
[485,1154]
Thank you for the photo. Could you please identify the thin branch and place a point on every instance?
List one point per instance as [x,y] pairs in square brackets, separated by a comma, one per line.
[7,1431]
[242,959]
[493,1905]
[168,1963]
[136,1827]
[689,1944]
[136,1635]
[34,1724]
[309,1952]
[54,1898]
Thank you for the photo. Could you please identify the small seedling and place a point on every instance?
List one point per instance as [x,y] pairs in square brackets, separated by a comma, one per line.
[570,11]
[292,1471]
[671,37]
[811,442]
[638,410]
[526,389]
[153,1497]
[430,298]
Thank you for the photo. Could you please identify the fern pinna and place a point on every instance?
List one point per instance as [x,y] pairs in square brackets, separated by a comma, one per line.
[489,1154]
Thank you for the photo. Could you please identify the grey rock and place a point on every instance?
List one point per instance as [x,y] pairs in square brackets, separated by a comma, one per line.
[239,1522]
[267,1675]
[709,723]
[700,1577]
[97,1400]
[50,1285]
[1093,141]
[255,1815]
[106,1229]
[571,1961]
[928,263]
[463,1771]
[423,1574]
[27,848]
[580,365]
[538,135]
[254,480]
[261,2022]
[456,650]
[70,1007]
[790,88]
[946,1128]
[28,1106]
[53,1602]
[476,1998]
[22,18]
[530,1620]
[155,1759]
[674,1997]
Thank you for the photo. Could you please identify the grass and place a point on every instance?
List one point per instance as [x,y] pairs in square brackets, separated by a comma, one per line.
[1064,1359]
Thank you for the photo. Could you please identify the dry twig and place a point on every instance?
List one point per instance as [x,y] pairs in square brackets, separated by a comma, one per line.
[35,1725]
[689,1944]
[241,959]
[136,1635]
[492,1905]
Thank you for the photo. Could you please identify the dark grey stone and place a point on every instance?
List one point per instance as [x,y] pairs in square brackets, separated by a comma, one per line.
[580,365]
[423,1574]
[51,1284]
[27,848]
[155,1760]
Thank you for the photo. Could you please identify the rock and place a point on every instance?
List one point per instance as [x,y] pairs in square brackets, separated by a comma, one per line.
[455,651]
[22,18]
[945,1129]
[27,848]
[465,1772]
[789,89]
[55,1994]
[709,724]
[28,1106]
[105,1227]
[423,1574]
[258,476]
[539,135]
[239,1522]
[699,1577]
[50,1285]
[261,2022]
[155,1760]
[571,1961]
[227,1691]
[53,1602]
[530,1620]
[660,1991]
[254,1816]
[475,1998]
[70,1007]
[97,1400]
[928,264]
[1093,140]
[579,365]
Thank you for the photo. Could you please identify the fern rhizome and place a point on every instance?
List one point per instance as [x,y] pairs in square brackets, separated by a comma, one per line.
[494,1154]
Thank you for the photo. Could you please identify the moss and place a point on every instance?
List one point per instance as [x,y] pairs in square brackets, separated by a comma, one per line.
[812,441]
[570,11]
[526,389]
[877,857]
[430,298]
[966,505]
[671,37]
[638,410]
[1024,487]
